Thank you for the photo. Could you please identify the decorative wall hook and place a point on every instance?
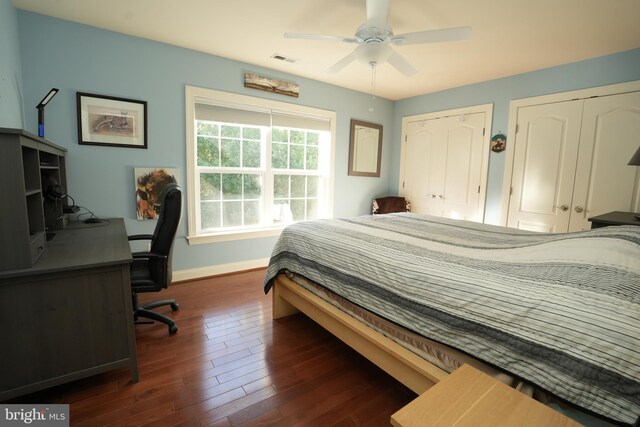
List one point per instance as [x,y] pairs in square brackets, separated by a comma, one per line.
[498,142]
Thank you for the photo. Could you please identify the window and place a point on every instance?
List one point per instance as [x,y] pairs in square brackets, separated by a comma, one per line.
[255,165]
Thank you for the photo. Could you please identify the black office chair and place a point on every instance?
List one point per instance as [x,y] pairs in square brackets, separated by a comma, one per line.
[151,271]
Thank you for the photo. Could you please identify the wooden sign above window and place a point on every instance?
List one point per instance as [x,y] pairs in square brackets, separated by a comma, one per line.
[267,84]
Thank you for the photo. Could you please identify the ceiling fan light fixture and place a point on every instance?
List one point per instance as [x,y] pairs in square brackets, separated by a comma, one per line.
[373,53]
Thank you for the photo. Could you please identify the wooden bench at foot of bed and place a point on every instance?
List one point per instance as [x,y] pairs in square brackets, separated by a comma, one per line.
[469,397]
[405,366]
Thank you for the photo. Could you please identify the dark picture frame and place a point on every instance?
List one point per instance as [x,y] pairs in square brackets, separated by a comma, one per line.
[365,149]
[111,121]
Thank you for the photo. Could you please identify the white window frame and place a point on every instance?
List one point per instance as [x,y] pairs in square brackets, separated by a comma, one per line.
[199,95]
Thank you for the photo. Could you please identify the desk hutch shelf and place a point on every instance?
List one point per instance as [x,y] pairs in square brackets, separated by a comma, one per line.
[28,166]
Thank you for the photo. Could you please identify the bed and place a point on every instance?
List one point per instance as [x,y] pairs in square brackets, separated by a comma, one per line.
[561,312]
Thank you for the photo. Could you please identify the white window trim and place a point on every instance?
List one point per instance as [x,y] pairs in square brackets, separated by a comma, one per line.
[196,94]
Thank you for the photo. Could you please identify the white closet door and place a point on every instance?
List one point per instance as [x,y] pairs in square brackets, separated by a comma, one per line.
[424,167]
[461,192]
[610,136]
[443,166]
[544,166]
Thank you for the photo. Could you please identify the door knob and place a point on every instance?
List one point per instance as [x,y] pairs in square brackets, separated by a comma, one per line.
[579,209]
[440,196]
[563,208]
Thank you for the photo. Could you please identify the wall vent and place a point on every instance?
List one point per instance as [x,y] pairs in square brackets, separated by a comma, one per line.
[280,57]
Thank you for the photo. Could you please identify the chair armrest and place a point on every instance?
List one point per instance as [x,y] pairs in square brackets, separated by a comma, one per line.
[149,255]
[140,237]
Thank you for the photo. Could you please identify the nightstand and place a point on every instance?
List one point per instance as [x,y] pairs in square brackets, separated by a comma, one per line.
[614,218]
[470,398]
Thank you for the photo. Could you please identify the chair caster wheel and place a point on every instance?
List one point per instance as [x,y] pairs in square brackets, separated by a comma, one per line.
[175,307]
[173,329]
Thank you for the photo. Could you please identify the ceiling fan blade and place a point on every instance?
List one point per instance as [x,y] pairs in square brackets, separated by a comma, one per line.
[433,36]
[401,64]
[322,37]
[342,63]
[377,11]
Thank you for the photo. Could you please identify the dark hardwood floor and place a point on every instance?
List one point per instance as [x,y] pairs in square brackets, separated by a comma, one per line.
[230,364]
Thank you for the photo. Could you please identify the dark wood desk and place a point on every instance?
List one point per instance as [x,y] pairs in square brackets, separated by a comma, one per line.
[614,218]
[70,315]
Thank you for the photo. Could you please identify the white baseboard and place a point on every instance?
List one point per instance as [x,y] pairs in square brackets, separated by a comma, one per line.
[215,270]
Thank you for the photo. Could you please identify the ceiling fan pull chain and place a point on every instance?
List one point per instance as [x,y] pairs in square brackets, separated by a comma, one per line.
[373,80]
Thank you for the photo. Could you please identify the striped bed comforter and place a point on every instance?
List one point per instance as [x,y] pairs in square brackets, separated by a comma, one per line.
[559,310]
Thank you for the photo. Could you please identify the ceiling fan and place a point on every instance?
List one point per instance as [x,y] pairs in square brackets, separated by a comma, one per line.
[374,38]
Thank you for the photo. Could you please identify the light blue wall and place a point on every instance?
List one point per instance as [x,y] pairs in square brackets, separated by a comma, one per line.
[78,58]
[11,115]
[72,57]
[601,71]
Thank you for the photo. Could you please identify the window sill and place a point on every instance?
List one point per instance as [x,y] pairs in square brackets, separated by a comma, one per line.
[227,236]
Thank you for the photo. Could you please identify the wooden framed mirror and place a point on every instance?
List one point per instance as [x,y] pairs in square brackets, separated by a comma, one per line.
[365,148]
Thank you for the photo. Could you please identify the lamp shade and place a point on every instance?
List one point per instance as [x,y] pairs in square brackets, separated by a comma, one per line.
[635,160]
[47,98]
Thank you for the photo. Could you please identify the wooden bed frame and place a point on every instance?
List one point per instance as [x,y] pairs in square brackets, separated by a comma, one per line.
[405,366]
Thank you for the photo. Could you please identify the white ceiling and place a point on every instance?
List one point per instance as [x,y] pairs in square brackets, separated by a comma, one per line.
[509,36]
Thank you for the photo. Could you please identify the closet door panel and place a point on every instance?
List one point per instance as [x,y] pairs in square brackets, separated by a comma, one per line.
[463,167]
[546,150]
[420,157]
[610,136]
[436,167]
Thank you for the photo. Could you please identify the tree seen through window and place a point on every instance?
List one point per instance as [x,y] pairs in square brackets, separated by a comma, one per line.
[232,174]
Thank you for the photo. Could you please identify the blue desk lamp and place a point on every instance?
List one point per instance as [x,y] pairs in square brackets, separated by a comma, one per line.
[40,108]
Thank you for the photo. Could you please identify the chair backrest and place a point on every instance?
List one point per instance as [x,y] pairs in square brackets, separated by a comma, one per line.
[384,205]
[164,234]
